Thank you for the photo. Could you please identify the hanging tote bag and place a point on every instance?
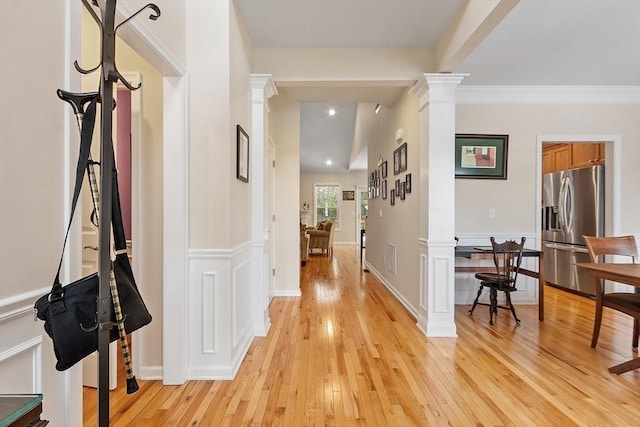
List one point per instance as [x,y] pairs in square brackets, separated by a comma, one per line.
[70,312]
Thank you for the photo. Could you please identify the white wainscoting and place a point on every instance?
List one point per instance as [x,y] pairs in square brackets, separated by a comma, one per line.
[20,345]
[219,318]
[467,284]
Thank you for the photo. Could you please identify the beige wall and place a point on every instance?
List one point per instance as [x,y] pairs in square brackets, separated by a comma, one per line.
[346,233]
[211,141]
[300,65]
[149,279]
[284,126]
[398,224]
[516,212]
[32,145]
[240,63]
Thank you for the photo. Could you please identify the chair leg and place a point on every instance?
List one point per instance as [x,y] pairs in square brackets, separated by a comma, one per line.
[596,325]
[513,310]
[493,307]
[475,302]
[636,332]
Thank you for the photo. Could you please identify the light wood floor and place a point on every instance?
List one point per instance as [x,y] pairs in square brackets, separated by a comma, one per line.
[347,353]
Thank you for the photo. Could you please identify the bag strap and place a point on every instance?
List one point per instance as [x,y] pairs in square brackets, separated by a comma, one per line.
[119,239]
[86,135]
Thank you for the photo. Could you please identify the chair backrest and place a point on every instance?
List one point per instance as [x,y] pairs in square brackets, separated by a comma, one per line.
[507,257]
[619,245]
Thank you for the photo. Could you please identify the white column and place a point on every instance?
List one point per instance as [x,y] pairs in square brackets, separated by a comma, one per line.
[437,94]
[262,88]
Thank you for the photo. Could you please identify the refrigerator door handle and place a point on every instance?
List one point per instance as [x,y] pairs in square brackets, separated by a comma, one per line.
[562,247]
[569,204]
[562,219]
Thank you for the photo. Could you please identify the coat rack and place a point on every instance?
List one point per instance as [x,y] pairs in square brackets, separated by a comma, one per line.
[109,76]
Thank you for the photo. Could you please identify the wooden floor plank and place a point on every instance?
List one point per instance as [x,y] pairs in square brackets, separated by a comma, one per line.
[347,353]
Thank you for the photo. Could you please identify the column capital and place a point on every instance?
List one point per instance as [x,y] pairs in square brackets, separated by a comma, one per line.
[436,87]
[263,87]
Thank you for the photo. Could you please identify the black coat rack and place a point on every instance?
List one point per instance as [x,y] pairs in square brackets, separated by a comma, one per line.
[109,76]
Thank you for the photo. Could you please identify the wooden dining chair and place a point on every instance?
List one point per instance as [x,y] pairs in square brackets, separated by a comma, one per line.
[507,257]
[625,302]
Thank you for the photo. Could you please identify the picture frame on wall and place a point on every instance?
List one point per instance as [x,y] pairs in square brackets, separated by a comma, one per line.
[242,154]
[403,191]
[348,195]
[392,195]
[481,156]
[384,169]
[384,189]
[407,181]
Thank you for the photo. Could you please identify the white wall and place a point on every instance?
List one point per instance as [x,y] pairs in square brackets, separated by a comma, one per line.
[346,233]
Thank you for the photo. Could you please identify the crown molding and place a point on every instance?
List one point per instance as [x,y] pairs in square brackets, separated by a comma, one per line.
[548,94]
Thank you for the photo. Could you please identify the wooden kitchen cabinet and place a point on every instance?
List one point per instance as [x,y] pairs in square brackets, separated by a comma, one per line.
[555,158]
[586,155]
[558,157]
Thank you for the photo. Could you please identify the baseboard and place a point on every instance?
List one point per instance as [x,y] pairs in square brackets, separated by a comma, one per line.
[287,293]
[150,373]
[414,312]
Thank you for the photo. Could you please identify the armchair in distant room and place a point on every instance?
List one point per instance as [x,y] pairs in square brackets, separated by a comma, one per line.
[321,237]
[304,244]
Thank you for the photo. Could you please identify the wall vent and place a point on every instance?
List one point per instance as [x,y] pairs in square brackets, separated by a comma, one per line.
[391,258]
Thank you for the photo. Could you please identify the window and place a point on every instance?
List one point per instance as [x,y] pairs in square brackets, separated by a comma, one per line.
[327,202]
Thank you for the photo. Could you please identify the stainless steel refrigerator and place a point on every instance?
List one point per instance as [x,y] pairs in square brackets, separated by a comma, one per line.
[572,206]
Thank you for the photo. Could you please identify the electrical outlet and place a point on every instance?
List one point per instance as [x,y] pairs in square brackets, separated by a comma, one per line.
[492,213]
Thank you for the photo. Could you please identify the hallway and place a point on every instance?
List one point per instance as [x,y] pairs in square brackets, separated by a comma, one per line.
[348,353]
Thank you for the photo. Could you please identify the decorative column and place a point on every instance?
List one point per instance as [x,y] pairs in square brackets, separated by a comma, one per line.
[262,88]
[437,117]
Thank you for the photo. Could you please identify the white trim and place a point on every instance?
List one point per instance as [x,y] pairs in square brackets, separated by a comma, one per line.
[142,41]
[548,94]
[287,293]
[175,230]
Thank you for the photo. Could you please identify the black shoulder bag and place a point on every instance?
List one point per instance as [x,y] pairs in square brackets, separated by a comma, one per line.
[70,312]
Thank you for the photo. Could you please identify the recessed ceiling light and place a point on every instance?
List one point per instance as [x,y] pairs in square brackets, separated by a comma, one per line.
[332,112]
[329,162]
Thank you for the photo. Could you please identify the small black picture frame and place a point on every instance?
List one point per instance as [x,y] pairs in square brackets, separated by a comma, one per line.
[384,169]
[242,154]
[407,181]
[403,190]
[384,189]
[392,195]
[400,159]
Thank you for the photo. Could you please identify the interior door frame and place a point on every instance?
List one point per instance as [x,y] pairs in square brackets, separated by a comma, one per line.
[613,178]
[137,248]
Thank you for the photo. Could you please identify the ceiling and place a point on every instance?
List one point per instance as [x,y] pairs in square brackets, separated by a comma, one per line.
[539,42]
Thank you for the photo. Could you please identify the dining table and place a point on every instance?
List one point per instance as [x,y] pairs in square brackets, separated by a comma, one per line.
[628,274]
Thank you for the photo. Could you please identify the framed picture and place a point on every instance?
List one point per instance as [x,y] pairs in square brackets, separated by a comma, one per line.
[481,156]
[242,154]
[348,195]
[400,159]
[407,181]
[392,195]
[384,189]
[397,187]
[403,189]
[384,169]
